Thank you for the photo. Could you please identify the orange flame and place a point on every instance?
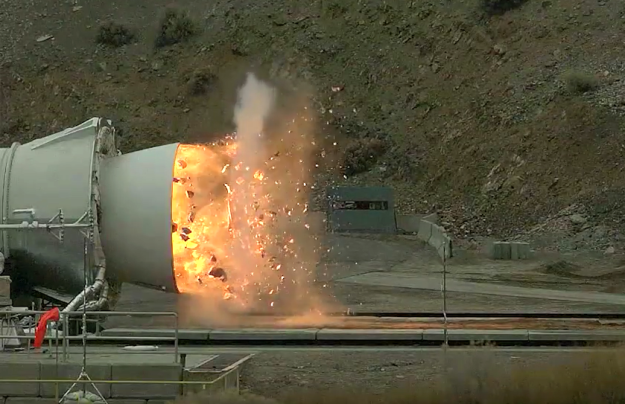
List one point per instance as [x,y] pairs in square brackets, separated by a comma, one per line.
[235,233]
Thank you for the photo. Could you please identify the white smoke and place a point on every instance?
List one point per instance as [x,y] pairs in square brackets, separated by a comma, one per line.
[255,102]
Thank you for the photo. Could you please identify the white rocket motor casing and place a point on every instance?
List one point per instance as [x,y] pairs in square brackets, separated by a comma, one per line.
[75,171]
[38,180]
[136,192]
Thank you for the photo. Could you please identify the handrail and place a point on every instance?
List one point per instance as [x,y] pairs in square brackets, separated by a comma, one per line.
[65,339]
[221,378]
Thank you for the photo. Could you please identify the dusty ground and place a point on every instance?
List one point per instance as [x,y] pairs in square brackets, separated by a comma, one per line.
[277,374]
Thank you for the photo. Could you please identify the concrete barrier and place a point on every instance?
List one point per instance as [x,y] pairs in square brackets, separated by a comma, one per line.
[408,224]
[20,370]
[509,250]
[70,371]
[435,236]
[137,371]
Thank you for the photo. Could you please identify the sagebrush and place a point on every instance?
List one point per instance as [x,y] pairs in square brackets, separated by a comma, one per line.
[497,7]
[175,26]
[578,82]
[114,34]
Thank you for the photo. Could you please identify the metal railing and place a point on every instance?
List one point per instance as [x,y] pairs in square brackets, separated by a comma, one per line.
[53,341]
[222,381]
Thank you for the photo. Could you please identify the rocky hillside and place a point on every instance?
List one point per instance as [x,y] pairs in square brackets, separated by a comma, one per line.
[498,114]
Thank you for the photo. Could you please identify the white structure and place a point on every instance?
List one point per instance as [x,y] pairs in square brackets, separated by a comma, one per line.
[59,190]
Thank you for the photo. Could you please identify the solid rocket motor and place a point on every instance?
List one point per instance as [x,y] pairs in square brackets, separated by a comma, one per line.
[60,190]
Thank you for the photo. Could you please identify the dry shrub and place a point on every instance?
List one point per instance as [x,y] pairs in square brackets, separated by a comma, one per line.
[361,155]
[578,82]
[201,81]
[591,378]
[175,26]
[498,7]
[404,163]
[114,34]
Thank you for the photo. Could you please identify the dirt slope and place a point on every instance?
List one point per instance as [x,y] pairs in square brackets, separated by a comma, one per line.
[483,118]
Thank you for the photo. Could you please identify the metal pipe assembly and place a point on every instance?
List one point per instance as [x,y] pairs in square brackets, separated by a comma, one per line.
[58,190]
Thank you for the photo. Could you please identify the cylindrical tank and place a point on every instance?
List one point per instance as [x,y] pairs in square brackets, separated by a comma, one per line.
[40,180]
[60,187]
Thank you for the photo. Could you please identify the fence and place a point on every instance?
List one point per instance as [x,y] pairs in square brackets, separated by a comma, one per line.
[53,341]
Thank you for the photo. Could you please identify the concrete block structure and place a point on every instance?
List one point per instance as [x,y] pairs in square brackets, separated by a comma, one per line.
[435,236]
[361,210]
[17,371]
[164,372]
[71,371]
[509,250]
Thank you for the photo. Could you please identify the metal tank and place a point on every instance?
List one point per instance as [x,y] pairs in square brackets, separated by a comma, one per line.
[73,205]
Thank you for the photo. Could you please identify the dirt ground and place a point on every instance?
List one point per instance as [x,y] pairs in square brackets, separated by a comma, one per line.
[286,373]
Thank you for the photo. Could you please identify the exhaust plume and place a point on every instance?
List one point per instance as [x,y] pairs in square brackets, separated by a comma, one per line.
[254,248]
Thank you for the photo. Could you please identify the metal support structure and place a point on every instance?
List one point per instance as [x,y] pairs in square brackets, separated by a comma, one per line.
[83,377]
[445,296]
[444,290]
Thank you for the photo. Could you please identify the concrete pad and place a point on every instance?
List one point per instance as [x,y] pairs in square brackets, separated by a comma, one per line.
[189,335]
[20,371]
[71,371]
[139,372]
[415,281]
[574,335]
[475,335]
[252,334]
[328,334]
[425,231]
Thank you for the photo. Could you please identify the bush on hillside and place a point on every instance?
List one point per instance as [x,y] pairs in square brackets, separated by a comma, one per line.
[361,155]
[578,82]
[498,7]
[175,26]
[114,34]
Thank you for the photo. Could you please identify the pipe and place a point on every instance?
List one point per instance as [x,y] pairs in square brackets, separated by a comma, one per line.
[101,302]
[88,292]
